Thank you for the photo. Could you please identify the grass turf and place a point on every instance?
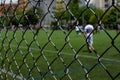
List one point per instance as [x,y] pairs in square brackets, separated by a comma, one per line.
[30,55]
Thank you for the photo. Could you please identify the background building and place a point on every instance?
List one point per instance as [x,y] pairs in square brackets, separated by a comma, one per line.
[13,6]
[50,6]
[104,4]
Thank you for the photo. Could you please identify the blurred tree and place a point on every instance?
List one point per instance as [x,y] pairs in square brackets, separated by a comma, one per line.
[95,18]
[69,13]
[18,18]
[74,8]
[110,18]
[118,21]
[82,13]
[33,15]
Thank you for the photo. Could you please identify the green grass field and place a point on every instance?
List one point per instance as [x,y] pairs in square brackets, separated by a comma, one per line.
[30,56]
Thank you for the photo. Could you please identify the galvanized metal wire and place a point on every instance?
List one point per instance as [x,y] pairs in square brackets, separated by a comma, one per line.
[21,55]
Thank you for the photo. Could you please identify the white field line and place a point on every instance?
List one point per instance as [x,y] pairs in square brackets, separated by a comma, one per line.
[65,53]
[12,74]
[84,56]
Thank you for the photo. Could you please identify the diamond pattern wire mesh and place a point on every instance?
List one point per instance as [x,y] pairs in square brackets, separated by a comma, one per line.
[35,52]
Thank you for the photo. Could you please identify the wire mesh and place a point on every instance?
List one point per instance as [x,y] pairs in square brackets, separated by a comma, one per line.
[39,41]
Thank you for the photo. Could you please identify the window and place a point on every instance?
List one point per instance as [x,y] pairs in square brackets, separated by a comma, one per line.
[106,0]
[106,5]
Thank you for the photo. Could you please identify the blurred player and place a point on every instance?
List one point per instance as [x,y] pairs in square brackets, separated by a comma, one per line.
[89,36]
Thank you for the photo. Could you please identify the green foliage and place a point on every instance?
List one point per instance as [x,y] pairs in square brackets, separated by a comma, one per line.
[111,16]
[91,14]
[33,15]
[5,21]
[118,0]
[118,21]
[74,7]
[87,14]
[95,18]
[18,18]
[83,13]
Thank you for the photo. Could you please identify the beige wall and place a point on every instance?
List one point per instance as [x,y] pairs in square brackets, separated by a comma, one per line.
[101,3]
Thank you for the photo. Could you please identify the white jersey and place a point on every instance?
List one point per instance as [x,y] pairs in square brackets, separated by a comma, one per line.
[77,28]
[88,29]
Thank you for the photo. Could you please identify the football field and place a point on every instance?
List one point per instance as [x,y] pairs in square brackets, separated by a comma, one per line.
[50,55]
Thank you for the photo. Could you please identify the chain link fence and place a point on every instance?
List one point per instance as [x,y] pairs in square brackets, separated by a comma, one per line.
[39,41]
